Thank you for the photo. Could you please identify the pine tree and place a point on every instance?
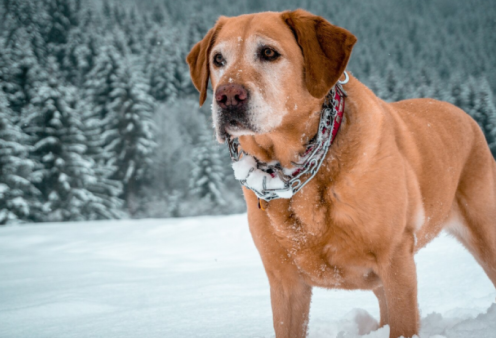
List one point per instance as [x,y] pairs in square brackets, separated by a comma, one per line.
[80,50]
[206,176]
[162,68]
[100,82]
[135,30]
[98,119]
[129,135]
[28,17]
[61,16]
[18,196]
[60,147]
[21,72]
[4,64]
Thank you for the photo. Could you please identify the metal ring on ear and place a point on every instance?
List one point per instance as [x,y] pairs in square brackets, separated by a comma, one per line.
[347,78]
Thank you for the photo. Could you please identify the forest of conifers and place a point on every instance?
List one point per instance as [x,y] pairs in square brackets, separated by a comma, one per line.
[99,119]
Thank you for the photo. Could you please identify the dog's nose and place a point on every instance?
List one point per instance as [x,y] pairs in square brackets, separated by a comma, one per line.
[231,96]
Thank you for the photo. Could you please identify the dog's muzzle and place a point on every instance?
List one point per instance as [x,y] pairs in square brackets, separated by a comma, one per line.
[232,100]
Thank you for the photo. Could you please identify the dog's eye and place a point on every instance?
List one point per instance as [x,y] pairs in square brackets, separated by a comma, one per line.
[268,54]
[219,60]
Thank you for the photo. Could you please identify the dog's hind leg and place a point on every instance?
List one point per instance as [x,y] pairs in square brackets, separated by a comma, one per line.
[477,233]
[473,221]
[381,297]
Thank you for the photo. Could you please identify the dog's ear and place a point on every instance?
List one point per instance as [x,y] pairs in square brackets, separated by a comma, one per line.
[326,49]
[198,60]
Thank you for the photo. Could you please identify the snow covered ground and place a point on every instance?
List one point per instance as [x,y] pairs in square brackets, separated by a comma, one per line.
[201,277]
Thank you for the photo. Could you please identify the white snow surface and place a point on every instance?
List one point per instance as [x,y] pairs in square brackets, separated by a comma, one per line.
[202,277]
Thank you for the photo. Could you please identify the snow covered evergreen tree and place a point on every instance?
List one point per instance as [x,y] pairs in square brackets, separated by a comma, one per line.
[162,68]
[80,51]
[96,108]
[28,17]
[206,180]
[60,147]
[134,29]
[19,198]
[100,80]
[129,137]
[97,118]
[60,17]
[21,71]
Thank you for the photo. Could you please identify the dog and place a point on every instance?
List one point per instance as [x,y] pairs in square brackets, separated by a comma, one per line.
[394,177]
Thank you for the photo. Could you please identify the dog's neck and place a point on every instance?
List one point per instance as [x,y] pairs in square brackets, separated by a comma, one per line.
[283,145]
[287,143]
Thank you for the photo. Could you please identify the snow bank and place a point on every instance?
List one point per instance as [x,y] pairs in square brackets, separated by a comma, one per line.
[201,277]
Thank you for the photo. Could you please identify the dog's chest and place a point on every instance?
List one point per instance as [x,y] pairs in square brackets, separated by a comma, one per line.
[322,257]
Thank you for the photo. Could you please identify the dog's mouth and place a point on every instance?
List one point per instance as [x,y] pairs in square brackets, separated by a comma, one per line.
[233,127]
[233,130]
[236,128]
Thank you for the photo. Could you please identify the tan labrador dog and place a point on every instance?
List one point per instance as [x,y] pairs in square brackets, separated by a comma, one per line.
[396,175]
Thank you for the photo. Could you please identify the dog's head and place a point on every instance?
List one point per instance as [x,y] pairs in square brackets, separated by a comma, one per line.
[268,69]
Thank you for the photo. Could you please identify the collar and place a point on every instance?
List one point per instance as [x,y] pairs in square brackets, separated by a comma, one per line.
[270,180]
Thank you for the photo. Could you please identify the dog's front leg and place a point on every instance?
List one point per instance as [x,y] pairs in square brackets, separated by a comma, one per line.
[290,298]
[399,279]
[290,295]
